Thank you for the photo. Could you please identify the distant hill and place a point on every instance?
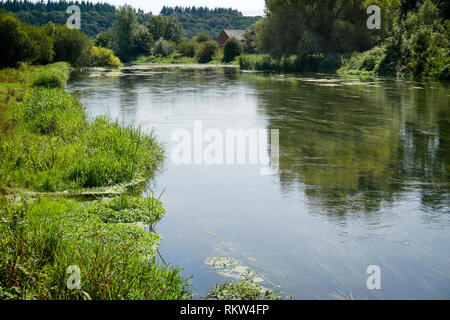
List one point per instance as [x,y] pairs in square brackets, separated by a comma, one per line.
[99,17]
[210,21]
[95,18]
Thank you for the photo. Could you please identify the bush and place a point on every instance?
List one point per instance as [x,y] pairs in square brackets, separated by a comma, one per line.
[101,57]
[232,49]
[207,51]
[50,79]
[202,37]
[163,48]
[187,48]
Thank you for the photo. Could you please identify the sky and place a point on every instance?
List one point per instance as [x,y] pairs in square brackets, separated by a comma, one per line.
[247,7]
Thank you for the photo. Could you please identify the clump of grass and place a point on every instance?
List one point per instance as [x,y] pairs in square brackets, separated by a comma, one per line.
[40,240]
[50,79]
[53,112]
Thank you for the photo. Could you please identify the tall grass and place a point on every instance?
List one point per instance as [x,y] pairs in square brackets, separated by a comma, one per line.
[40,240]
[53,147]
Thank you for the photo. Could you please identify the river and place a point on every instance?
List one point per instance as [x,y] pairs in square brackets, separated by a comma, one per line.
[363,177]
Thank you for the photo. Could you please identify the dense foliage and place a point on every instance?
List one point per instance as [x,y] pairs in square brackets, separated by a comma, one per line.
[95,17]
[207,51]
[21,42]
[100,17]
[308,35]
[52,42]
[210,21]
[418,46]
[232,49]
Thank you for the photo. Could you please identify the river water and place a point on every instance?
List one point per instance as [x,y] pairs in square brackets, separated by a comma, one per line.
[363,178]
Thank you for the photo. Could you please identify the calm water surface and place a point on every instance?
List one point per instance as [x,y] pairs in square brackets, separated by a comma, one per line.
[363,179]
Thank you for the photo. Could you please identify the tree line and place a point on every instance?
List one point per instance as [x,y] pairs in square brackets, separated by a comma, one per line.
[22,42]
[99,17]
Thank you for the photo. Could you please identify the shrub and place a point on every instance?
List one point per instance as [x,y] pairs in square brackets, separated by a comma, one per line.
[232,49]
[163,48]
[101,57]
[207,51]
[202,37]
[50,79]
[187,48]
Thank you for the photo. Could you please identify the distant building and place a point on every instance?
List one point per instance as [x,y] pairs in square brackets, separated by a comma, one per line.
[225,35]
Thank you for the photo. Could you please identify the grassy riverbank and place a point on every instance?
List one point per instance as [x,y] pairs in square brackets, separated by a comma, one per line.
[48,144]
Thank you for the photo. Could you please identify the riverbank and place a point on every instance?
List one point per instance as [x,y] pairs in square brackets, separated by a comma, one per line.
[64,248]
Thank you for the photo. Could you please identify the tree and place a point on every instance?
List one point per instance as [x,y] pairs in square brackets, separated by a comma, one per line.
[163,48]
[21,42]
[142,41]
[165,27]
[232,49]
[126,23]
[69,44]
[13,40]
[306,27]
[106,40]
[40,45]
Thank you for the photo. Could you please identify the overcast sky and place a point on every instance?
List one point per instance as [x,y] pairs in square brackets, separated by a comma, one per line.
[247,7]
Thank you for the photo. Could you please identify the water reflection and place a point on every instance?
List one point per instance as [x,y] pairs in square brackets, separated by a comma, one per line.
[358,148]
[363,177]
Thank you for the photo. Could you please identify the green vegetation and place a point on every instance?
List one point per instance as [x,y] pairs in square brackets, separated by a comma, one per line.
[246,289]
[100,17]
[21,42]
[163,48]
[116,257]
[47,144]
[207,51]
[232,49]
[51,145]
[418,47]
[197,20]
[328,36]
[52,42]
[165,27]
[96,17]
[187,48]
[51,78]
